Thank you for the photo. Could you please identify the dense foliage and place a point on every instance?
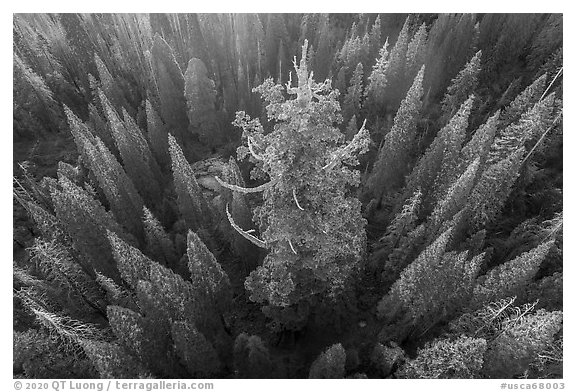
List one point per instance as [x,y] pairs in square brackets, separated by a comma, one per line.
[299,195]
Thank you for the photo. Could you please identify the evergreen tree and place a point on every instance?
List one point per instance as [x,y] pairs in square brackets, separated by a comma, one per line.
[158,245]
[443,358]
[136,155]
[479,144]
[330,364]
[396,72]
[511,277]
[462,86]
[86,221]
[493,188]
[403,223]
[353,98]
[531,125]
[194,350]
[377,82]
[34,105]
[112,361]
[317,236]
[157,136]
[200,95]
[119,190]
[521,343]
[416,52]
[169,82]
[110,86]
[132,264]
[456,197]
[523,101]
[207,276]
[392,163]
[435,169]
[324,55]
[433,286]
[251,357]
[191,201]
[374,39]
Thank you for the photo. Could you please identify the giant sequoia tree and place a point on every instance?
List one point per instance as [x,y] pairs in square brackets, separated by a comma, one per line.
[309,223]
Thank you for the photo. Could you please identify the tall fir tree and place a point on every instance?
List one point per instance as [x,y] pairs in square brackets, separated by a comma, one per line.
[531,125]
[524,101]
[191,201]
[435,168]
[157,136]
[117,186]
[136,155]
[393,158]
[461,87]
[169,82]
[512,277]
[354,95]
[200,95]
[377,82]
[493,188]
[416,51]
[330,364]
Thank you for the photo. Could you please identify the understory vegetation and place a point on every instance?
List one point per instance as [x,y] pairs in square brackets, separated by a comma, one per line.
[287,195]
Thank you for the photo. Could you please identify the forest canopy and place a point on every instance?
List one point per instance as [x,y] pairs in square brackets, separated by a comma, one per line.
[287,195]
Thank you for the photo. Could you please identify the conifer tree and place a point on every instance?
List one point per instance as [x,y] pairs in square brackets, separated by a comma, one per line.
[132,264]
[512,277]
[462,86]
[416,51]
[251,357]
[34,104]
[157,136]
[119,190]
[396,73]
[169,83]
[309,253]
[86,221]
[101,128]
[207,275]
[403,223]
[492,190]
[143,339]
[434,285]
[60,268]
[456,197]
[523,101]
[374,38]
[110,86]
[392,162]
[377,82]
[353,98]
[522,342]
[340,81]
[531,125]
[330,364]
[191,201]
[479,144]
[200,95]
[112,361]
[444,358]
[136,155]
[158,245]
[194,350]
[435,169]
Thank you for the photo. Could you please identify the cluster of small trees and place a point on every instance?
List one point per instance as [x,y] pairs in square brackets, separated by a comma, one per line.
[141,266]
